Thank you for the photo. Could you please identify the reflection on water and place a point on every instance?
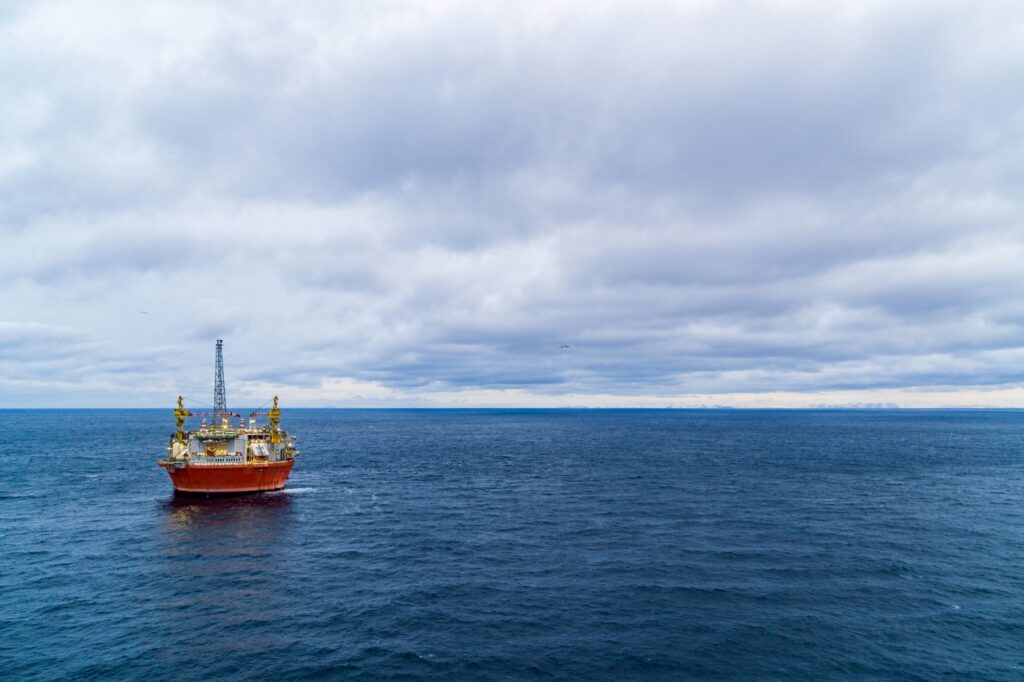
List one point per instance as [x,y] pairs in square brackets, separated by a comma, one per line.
[225,566]
[268,511]
[216,540]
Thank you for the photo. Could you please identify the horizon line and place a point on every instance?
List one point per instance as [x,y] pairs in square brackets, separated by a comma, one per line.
[704,408]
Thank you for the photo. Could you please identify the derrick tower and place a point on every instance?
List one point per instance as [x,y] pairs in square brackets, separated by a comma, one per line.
[220,402]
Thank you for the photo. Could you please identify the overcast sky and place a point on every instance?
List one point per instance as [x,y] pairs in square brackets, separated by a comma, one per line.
[478,203]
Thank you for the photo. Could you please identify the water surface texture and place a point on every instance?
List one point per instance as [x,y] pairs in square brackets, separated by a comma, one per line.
[522,544]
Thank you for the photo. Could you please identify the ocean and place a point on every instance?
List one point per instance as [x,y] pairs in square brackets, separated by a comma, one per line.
[521,545]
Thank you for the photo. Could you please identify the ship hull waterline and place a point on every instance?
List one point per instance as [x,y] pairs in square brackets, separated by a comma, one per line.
[193,479]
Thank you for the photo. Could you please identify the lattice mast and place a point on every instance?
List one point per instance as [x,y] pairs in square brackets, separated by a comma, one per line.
[220,401]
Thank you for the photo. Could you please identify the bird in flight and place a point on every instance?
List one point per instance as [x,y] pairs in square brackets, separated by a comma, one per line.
[144,312]
[563,346]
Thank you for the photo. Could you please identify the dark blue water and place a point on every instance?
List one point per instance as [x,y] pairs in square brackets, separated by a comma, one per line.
[523,545]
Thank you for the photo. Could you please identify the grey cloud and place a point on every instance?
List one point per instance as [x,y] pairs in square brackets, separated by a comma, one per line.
[626,97]
[26,339]
[712,197]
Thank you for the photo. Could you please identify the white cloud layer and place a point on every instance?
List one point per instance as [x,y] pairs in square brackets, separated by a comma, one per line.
[406,203]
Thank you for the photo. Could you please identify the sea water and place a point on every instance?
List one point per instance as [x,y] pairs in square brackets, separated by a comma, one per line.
[516,544]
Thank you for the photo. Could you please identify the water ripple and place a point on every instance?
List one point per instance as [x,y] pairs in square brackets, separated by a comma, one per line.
[504,544]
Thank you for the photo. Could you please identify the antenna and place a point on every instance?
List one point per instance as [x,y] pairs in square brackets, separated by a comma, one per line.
[220,402]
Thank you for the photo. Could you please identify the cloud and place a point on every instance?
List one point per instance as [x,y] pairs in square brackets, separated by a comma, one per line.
[420,203]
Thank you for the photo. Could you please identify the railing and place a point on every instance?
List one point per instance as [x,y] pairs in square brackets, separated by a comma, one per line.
[216,461]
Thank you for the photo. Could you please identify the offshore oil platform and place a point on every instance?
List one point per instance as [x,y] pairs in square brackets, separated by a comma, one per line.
[220,458]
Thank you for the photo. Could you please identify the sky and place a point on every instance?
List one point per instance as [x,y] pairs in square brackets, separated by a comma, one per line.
[635,204]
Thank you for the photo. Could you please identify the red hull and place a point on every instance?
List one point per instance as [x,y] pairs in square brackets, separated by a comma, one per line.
[226,480]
